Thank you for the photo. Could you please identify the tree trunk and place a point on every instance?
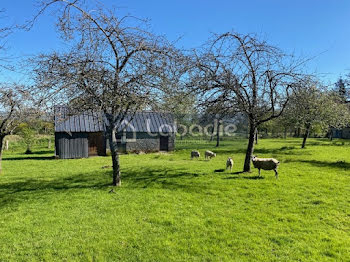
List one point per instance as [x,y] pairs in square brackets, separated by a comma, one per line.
[285,133]
[1,150]
[256,136]
[298,132]
[212,132]
[28,151]
[218,135]
[250,148]
[330,134]
[306,135]
[115,157]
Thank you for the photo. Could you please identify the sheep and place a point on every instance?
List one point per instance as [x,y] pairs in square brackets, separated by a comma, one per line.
[209,154]
[266,164]
[229,163]
[195,154]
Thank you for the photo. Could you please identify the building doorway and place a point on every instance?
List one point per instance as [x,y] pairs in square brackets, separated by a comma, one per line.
[164,143]
[96,144]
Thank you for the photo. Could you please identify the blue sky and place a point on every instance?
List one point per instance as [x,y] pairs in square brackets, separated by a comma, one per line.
[309,28]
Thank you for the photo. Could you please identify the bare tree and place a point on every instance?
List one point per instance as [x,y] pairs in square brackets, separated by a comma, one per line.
[14,99]
[5,31]
[15,104]
[252,76]
[114,66]
[216,112]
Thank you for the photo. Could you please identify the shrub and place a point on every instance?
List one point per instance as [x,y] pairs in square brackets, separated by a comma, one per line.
[28,136]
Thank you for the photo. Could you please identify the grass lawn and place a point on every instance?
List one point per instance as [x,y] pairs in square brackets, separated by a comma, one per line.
[171,208]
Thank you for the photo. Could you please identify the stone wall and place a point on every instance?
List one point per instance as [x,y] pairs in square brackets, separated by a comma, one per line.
[145,143]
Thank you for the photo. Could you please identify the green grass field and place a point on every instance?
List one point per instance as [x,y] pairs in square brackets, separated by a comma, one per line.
[171,208]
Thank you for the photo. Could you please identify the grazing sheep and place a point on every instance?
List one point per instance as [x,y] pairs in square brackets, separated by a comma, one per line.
[209,154]
[266,164]
[229,163]
[195,154]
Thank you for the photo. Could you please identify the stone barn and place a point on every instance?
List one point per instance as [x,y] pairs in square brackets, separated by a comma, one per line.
[82,136]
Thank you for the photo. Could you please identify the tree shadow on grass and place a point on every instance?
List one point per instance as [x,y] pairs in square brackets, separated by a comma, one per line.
[284,150]
[44,152]
[25,189]
[253,177]
[29,157]
[31,189]
[329,164]
[244,177]
[173,179]
[77,181]
[227,172]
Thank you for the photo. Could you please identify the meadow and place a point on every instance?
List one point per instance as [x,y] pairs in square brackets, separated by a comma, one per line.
[172,208]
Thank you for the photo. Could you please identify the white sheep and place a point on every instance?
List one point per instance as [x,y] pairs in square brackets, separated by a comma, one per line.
[229,163]
[209,154]
[195,154]
[266,164]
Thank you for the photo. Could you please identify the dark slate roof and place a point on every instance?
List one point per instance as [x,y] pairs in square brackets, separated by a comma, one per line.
[94,122]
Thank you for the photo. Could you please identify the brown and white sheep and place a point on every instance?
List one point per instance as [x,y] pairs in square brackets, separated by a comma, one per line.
[209,154]
[266,164]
